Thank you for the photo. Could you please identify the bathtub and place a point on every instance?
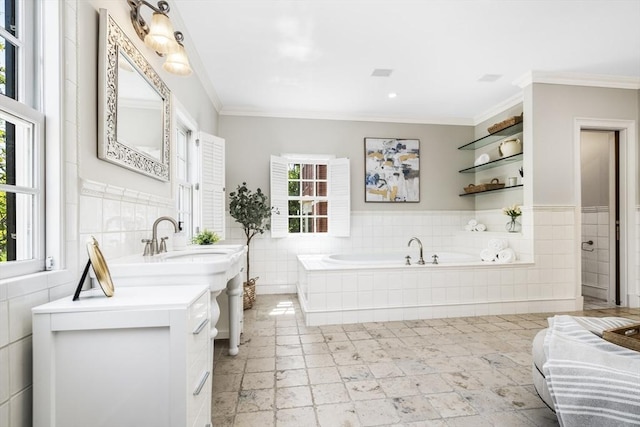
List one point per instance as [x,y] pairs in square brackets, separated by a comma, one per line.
[377,287]
[397,258]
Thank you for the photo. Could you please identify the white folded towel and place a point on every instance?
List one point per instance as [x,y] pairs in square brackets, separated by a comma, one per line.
[481,227]
[506,256]
[498,244]
[472,222]
[488,255]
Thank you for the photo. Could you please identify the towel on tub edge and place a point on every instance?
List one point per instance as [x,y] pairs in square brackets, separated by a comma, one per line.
[506,256]
[488,255]
[498,244]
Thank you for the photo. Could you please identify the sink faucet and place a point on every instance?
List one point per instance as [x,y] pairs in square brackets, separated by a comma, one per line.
[421,260]
[154,237]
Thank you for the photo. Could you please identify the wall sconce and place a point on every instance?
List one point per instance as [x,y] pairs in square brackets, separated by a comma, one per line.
[160,36]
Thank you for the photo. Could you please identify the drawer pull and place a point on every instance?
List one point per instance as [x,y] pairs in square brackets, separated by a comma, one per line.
[201,383]
[201,326]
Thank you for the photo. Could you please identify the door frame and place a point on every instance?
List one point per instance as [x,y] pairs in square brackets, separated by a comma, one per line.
[627,198]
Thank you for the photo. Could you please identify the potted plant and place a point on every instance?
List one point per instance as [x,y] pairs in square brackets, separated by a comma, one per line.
[205,237]
[252,211]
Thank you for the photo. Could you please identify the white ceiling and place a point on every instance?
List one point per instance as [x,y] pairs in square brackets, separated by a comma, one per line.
[314,58]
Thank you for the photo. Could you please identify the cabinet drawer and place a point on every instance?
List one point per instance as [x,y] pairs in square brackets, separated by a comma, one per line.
[199,397]
[198,312]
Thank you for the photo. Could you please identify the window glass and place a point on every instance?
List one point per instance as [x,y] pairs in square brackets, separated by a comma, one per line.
[17,201]
[308,198]
[7,16]
[8,69]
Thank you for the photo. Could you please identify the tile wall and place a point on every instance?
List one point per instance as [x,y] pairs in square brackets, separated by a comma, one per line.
[275,262]
[595,264]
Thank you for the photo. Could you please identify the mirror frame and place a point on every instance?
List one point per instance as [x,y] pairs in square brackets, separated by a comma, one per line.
[112,42]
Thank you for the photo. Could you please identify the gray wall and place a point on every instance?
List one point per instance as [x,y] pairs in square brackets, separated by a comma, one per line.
[188,90]
[554,110]
[594,168]
[251,140]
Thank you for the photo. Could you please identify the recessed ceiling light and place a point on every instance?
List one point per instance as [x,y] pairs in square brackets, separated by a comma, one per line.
[488,78]
[392,95]
[381,72]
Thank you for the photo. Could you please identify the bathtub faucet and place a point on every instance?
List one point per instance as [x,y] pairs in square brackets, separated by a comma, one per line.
[421,260]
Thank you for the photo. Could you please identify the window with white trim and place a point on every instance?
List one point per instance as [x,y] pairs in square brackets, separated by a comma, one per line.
[22,248]
[310,195]
[185,166]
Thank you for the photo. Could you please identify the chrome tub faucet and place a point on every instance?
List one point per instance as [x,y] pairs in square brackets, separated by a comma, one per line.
[421,260]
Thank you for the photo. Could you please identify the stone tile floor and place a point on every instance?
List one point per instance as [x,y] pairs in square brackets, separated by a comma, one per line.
[466,371]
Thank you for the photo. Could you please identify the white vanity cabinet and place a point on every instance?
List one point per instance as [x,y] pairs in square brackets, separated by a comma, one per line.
[140,358]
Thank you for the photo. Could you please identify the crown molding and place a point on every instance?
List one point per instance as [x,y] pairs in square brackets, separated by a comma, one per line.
[456,121]
[498,108]
[578,79]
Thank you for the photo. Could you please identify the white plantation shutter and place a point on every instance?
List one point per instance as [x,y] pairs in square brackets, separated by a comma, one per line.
[339,198]
[279,195]
[212,184]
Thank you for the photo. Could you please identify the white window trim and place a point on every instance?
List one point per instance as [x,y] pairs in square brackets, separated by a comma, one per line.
[339,196]
[44,34]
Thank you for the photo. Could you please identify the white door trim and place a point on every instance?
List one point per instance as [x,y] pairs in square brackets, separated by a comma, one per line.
[629,293]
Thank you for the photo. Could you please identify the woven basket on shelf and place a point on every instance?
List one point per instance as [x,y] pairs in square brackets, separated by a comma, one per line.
[478,188]
[249,294]
[505,124]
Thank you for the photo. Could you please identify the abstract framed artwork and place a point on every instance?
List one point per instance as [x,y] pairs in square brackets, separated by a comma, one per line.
[392,170]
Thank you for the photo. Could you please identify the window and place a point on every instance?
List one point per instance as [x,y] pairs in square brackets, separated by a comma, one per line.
[21,143]
[184,178]
[310,195]
[308,198]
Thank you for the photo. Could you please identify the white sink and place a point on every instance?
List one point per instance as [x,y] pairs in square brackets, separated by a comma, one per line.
[210,265]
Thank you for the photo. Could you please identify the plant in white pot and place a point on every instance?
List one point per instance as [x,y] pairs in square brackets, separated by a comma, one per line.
[252,211]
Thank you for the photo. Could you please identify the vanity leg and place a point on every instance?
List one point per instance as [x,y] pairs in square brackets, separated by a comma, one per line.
[234,291]
[215,314]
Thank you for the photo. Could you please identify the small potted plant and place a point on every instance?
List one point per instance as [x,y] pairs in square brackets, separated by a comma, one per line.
[252,211]
[205,237]
[512,212]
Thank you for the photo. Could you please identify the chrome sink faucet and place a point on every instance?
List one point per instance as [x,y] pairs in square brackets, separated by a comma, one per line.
[154,238]
[421,260]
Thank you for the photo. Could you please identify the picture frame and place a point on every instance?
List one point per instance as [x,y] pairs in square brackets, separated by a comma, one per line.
[392,170]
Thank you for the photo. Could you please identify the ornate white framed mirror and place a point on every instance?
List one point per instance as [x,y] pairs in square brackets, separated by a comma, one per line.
[134,106]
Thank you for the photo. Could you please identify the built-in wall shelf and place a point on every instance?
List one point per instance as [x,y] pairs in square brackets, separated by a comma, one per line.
[491,191]
[493,164]
[494,137]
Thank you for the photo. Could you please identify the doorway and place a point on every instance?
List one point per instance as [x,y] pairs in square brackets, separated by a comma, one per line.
[600,215]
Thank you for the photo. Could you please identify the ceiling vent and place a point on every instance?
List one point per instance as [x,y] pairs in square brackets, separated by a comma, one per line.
[381,72]
[488,78]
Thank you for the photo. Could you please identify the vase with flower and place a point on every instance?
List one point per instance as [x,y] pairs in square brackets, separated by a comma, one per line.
[513,212]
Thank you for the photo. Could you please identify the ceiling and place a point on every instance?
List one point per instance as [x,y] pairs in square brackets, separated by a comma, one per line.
[314,58]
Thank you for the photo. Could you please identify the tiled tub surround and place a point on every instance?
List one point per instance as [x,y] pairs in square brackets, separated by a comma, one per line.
[275,260]
[596,264]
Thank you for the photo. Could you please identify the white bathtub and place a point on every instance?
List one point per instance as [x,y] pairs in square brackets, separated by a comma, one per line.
[398,258]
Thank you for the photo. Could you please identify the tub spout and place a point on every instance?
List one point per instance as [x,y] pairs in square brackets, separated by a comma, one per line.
[421,260]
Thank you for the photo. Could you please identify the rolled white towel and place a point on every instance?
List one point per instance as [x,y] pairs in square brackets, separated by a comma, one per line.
[481,227]
[506,256]
[472,222]
[498,244]
[468,227]
[488,255]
